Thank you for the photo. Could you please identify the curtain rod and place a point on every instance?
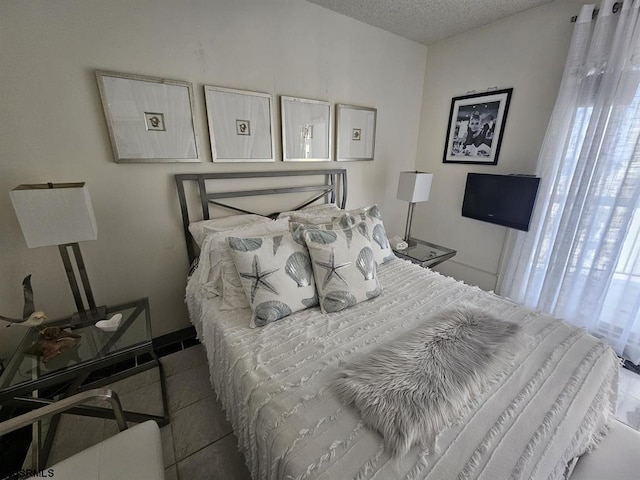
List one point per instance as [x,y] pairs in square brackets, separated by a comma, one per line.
[616,8]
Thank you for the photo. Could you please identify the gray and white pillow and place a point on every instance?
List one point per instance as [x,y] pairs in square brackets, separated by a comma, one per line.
[374,228]
[216,268]
[344,266]
[276,275]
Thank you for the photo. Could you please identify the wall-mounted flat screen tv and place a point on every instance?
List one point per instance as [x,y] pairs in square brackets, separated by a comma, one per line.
[506,200]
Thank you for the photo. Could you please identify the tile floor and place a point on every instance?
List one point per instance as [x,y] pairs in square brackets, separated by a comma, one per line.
[199,443]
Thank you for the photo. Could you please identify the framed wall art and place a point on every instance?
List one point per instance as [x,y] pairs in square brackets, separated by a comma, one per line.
[306,130]
[356,132]
[239,125]
[149,119]
[476,125]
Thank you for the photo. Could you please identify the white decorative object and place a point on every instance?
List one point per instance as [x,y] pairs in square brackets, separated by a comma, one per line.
[110,325]
[397,243]
[413,187]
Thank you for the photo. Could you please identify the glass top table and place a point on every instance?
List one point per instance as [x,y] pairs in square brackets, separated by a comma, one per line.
[96,348]
[99,358]
[425,254]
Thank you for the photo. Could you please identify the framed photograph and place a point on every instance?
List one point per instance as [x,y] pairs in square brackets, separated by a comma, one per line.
[356,132]
[306,130]
[239,125]
[476,124]
[149,119]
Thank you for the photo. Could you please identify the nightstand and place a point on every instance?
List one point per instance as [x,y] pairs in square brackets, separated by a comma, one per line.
[99,359]
[425,254]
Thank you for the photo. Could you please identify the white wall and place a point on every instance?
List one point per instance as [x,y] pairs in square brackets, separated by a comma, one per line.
[527,52]
[53,128]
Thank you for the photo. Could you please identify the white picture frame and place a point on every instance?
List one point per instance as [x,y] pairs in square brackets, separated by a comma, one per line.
[306,130]
[240,125]
[355,132]
[149,119]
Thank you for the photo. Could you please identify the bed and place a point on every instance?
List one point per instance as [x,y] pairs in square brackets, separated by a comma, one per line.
[553,402]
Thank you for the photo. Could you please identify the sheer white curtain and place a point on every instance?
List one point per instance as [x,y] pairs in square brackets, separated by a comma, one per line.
[581,258]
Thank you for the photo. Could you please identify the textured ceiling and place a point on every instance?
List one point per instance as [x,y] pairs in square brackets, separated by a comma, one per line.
[428,21]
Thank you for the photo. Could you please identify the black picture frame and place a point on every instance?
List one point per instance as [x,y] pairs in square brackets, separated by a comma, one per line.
[487,113]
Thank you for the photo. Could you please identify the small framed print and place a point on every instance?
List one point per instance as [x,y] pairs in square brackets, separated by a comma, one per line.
[154,121]
[476,124]
[243,127]
[306,130]
[356,132]
[149,119]
[239,125]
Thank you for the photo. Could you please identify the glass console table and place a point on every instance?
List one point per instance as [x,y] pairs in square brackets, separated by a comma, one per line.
[425,254]
[28,382]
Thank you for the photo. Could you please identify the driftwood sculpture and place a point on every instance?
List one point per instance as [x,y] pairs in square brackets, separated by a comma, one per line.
[30,318]
[51,341]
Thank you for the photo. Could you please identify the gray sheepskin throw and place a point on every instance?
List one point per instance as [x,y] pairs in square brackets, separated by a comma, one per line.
[413,387]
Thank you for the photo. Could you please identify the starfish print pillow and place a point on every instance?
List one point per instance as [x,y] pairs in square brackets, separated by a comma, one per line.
[344,266]
[276,275]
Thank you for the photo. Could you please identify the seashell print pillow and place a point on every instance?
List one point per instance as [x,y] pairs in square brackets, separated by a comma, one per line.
[276,275]
[344,266]
[374,229]
[199,230]
[221,273]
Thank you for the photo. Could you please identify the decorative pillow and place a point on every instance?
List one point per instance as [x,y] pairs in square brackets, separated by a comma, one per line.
[233,296]
[343,265]
[372,218]
[214,253]
[276,275]
[199,230]
[297,229]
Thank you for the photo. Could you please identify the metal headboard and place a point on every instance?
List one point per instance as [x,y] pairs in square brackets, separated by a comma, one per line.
[334,184]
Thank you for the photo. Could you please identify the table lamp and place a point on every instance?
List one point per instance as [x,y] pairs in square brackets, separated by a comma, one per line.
[60,214]
[413,187]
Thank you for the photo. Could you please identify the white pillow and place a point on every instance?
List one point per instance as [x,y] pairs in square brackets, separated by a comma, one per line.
[314,211]
[374,229]
[199,230]
[276,275]
[343,265]
[214,253]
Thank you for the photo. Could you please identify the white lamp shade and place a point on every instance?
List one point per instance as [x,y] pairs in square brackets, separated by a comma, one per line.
[414,186]
[54,216]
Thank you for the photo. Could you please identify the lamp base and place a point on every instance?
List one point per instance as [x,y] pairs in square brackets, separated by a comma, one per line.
[92,316]
[410,242]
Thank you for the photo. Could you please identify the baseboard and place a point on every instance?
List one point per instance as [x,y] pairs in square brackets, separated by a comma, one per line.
[175,341]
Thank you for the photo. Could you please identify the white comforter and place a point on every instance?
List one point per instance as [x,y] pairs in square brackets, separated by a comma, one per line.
[554,404]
